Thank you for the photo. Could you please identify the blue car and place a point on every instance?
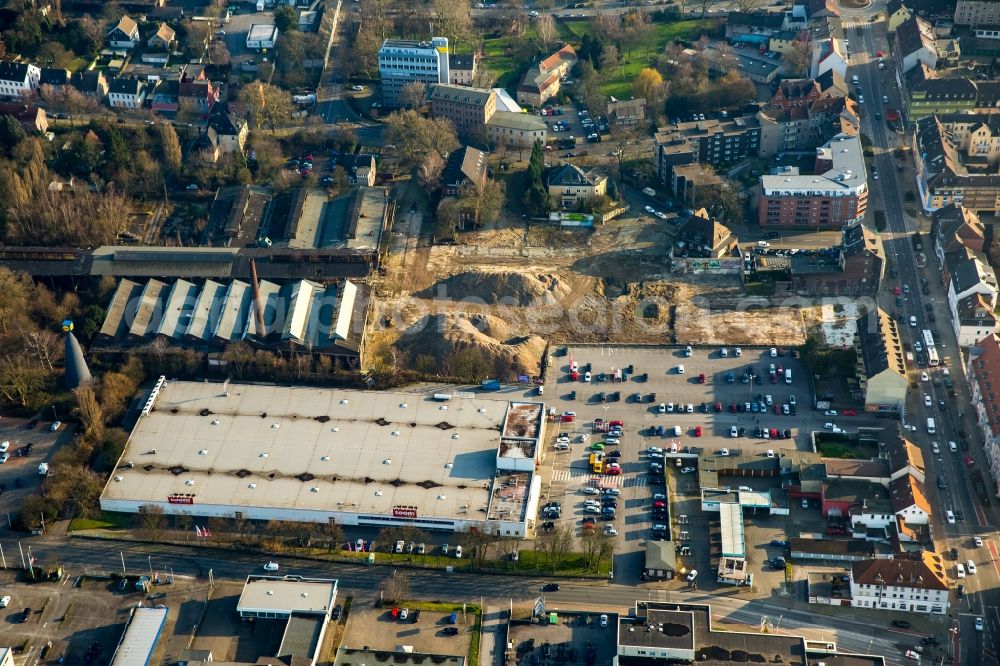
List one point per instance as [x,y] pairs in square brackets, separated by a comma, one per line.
[780,543]
[754,407]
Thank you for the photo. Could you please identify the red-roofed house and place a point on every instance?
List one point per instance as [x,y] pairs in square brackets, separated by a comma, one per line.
[541,81]
[984,384]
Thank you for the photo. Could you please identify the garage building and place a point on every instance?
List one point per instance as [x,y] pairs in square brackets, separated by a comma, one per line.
[262,36]
[333,455]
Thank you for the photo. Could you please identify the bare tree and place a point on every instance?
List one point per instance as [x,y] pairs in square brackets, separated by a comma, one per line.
[796,59]
[556,545]
[152,520]
[269,104]
[413,94]
[748,6]
[483,77]
[170,146]
[396,587]
[90,412]
[545,28]
[430,171]
[415,136]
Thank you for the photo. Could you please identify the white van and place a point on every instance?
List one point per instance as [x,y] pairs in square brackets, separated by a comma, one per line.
[788,375]
[677,432]
[960,570]
[931,427]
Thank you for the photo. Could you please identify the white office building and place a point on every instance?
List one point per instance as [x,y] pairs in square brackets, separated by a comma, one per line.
[401,62]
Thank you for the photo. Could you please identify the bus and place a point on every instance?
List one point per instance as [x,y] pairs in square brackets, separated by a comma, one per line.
[932,357]
[928,339]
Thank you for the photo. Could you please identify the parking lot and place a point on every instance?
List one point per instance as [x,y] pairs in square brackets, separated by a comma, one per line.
[428,631]
[83,618]
[569,641]
[704,402]
[236,35]
[19,475]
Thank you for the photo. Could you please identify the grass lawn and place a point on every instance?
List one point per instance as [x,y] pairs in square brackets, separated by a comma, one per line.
[78,64]
[442,607]
[834,450]
[499,52]
[644,52]
[104,521]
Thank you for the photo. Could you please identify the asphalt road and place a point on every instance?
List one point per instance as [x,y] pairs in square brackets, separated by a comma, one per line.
[971,647]
[80,555]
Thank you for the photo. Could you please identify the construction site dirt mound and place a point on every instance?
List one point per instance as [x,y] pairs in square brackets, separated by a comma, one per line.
[500,288]
[441,335]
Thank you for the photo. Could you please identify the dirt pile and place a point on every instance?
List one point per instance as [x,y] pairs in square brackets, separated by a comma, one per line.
[500,288]
[441,335]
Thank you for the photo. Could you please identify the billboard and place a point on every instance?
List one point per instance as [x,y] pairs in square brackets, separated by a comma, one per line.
[404,512]
[180,499]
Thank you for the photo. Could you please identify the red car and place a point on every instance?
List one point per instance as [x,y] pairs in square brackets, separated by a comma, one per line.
[616,423]
[566,418]
[718,406]
[613,471]
[897,291]
[880,53]
[701,378]
[773,432]
[697,431]
[574,376]
[849,412]
[777,409]
[732,407]
[969,461]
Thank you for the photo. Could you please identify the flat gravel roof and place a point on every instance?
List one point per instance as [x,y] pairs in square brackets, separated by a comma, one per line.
[313,448]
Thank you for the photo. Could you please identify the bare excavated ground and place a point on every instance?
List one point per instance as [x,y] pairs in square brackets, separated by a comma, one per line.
[508,291]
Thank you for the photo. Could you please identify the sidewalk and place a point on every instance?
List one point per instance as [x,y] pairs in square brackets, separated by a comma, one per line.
[494,636]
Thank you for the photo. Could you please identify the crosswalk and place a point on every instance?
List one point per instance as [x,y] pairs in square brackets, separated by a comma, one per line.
[584,477]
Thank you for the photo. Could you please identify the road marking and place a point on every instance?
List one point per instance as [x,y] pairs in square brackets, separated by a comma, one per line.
[994,556]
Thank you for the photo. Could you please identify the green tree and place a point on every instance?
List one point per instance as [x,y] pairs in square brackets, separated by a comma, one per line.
[285,19]
[11,131]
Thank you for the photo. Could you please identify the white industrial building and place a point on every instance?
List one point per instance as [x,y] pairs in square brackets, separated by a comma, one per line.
[320,455]
[402,62]
[262,36]
[141,636]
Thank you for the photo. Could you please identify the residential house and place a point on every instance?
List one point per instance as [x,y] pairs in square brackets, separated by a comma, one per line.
[165,97]
[230,131]
[462,68]
[570,186]
[915,44]
[402,62]
[832,84]
[881,368]
[897,13]
[627,113]
[944,177]
[748,64]
[465,166]
[360,168]
[126,93]
[163,38]
[909,500]
[926,94]
[32,117]
[541,81]
[705,236]
[660,561]
[968,273]
[195,92]
[976,135]
[124,35]
[90,84]
[827,56]
[752,27]
[955,226]
[917,585]
[467,108]
[974,320]
[799,124]
[687,180]
[18,79]
[854,268]
[983,372]
[262,36]
[905,457]
[54,76]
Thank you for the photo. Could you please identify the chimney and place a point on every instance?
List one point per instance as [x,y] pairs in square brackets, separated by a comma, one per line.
[258,311]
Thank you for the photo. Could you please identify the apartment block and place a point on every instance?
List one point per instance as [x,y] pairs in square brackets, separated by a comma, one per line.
[836,194]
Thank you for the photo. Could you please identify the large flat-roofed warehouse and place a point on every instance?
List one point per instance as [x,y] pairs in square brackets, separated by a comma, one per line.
[353,457]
